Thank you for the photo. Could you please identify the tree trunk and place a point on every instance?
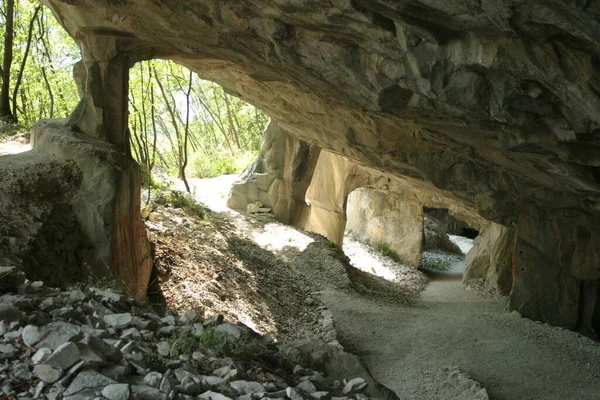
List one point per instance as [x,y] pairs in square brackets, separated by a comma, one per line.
[24,62]
[231,125]
[186,132]
[5,111]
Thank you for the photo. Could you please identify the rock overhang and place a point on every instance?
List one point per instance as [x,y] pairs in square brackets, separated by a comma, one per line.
[496,102]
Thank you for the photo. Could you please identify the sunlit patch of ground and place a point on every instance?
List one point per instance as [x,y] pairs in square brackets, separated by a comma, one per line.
[368,259]
[15,145]
[276,237]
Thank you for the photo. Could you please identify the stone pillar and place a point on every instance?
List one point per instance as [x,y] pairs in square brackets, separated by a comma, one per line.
[557,255]
[279,177]
[333,180]
[96,136]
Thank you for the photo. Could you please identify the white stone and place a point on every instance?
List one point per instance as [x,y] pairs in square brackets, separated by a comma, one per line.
[65,356]
[117,391]
[41,355]
[47,373]
[247,387]
[213,396]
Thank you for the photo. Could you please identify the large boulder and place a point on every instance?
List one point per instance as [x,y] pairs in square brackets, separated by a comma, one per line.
[389,219]
[279,177]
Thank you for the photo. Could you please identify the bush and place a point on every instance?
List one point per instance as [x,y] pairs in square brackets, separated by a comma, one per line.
[207,167]
[183,342]
[183,200]
[8,129]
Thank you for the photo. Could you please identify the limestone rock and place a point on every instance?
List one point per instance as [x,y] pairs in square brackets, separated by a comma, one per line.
[209,395]
[117,391]
[356,385]
[47,373]
[118,321]
[307,387]
[87,380]
[254,207]
[64,356]
[247,387]
[233,332]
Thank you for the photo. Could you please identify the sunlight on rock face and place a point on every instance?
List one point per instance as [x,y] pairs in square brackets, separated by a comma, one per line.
[277,237]
[367,259]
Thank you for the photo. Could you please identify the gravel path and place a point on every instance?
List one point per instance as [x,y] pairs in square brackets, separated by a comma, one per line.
[406,348]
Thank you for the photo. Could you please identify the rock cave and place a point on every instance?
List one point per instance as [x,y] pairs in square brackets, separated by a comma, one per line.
[385,116]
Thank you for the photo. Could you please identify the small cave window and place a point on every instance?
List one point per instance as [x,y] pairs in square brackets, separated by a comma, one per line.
[446,241]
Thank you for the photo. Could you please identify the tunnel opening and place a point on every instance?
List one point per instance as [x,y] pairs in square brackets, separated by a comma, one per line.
[446,242]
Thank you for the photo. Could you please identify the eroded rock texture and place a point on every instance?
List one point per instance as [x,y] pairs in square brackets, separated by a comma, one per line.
[38,231]
[490,259]
[279,177]
[492,103]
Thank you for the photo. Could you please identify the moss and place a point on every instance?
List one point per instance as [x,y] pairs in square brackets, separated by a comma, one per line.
[387,251]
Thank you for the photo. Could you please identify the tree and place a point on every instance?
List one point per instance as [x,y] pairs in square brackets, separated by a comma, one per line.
[5,109]
[24,62]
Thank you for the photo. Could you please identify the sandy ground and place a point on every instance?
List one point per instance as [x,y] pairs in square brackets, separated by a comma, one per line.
[14,145]
[407,348]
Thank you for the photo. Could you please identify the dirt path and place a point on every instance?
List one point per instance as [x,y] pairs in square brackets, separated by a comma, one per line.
[407,348]
[14,145]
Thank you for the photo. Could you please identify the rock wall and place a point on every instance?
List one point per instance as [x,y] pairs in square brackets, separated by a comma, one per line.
[447,222]
[495,104]
[378,208]
[557,267]
[491,258]
[436,237]
[279,177]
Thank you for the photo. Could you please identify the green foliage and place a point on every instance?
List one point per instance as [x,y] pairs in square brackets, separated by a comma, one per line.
[223,133]
[154,361]
[8,129]
[183,342]
[387,251]
[47,88]
[332,245]
[435,264]
[207,167]
[214,340]
[184,201]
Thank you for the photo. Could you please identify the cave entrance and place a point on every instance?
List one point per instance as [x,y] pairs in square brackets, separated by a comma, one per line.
[446,242]
[185,127]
